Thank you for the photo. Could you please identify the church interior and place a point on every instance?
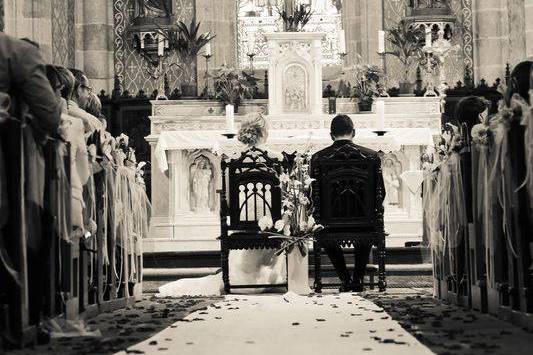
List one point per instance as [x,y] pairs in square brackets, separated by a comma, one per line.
[116,224]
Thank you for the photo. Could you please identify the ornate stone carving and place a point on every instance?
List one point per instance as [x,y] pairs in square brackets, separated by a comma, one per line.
[392,169]
[201,180]
[295,89]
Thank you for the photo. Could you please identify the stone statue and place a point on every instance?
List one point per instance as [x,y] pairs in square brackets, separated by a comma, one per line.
[392,183]
[201,176]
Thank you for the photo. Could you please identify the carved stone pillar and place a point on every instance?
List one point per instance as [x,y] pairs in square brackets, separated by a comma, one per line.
[528,14]
[219,17]
[94,42]
[30,19]
[499,36]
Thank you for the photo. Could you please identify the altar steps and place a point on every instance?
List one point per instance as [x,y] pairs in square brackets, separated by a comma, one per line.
[403,262]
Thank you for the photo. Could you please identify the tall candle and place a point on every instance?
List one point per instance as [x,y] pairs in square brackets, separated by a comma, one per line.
[380,115]
[208,49]
[230,118]
[342,42]
[160,45]
[381,42]
[251,42]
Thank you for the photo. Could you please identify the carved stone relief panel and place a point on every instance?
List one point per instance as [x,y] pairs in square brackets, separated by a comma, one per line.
[295,89]
[392,169]
[203,181]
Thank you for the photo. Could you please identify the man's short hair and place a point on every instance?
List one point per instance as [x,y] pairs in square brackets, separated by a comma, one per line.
[341,125]
[94,105]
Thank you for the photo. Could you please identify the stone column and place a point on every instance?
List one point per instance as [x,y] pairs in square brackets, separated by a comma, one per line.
[31,19]
[351,20]
[219,17]
[500,36]
[94,42]
[528,14]
[371,23]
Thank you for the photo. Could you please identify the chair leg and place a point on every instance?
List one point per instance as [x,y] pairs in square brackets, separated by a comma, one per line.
[382,283]
[224,256]
[318,264]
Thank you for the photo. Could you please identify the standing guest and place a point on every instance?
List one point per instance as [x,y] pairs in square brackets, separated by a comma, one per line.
[94,107]
[74,133]
[78,102]
[23,77]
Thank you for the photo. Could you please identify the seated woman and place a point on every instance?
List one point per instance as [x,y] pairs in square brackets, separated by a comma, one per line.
[245,266]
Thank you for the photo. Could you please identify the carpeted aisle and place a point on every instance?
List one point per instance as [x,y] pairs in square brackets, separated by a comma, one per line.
[285,324]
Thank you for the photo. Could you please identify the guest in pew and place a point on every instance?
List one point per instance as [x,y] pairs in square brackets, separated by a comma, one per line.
[23,77]
[79,100]
[342,133]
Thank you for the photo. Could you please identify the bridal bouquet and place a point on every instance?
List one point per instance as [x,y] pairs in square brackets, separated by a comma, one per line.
[297,225]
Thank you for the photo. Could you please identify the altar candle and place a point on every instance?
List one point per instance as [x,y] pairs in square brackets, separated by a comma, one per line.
[251,42]
[380,115]
[230,118]
[381,42]
[289,7]
[208,49]
[342,42]
[160,45]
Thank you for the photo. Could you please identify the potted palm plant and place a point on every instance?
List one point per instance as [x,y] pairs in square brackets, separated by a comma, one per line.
[407,42]
[232,86]
[188,44]
[365,80]
[295,16]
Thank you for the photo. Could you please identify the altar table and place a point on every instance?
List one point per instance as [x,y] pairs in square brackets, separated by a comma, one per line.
[186,144]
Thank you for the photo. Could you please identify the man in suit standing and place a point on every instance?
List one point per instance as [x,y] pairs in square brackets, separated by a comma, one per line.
[342,133]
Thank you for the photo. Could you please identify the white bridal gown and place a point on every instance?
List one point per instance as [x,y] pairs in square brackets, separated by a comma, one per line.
[245,267]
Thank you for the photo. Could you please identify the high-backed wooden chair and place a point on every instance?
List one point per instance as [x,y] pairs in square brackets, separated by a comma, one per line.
[250,190]
[348,203]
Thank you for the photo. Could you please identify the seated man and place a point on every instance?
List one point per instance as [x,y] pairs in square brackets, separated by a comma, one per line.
[342,133]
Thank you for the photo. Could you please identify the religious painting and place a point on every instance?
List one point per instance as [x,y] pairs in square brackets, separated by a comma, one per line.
[295,89]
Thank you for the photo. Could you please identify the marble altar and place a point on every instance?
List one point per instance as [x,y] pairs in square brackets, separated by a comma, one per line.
[186,140]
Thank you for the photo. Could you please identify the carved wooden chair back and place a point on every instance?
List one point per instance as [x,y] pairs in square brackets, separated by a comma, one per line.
[253,189]
[345,194]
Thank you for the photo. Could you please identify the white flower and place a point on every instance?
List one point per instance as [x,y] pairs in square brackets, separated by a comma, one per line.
[310,223]
[265,223]
[287,230]
[284,178]
[279,225]
[308,181]
[303,199]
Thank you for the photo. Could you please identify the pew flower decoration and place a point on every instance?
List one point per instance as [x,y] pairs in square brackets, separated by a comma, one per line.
[480,134]
[297,226]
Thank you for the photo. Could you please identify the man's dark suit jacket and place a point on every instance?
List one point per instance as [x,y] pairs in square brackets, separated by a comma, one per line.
[340,143]
[23,77]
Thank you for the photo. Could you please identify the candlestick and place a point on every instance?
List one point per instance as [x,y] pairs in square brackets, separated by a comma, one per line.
[380,115]
[251,42]
[230,118]
[342,42]
[381,42]
[208,49]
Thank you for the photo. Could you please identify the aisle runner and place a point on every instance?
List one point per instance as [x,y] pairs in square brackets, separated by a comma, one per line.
[285,324]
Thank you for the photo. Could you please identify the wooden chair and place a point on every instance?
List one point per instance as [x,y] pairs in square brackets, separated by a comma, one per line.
[250,190]
[348,203]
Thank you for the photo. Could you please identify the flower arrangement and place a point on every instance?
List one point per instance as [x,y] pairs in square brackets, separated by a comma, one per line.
[297,225]
[365,79]
[480,134]
[295,16]
[232,86]
[253,132]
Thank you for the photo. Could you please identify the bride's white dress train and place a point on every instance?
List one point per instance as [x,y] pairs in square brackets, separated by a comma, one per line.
[245,267]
